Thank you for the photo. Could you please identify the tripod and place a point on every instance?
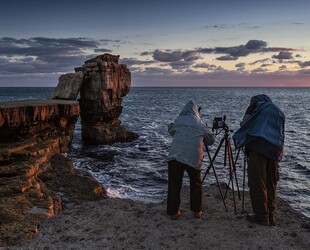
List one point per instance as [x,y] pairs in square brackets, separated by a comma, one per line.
[232,167]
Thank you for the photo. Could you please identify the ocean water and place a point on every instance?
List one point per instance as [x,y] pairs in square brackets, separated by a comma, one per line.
[138,170]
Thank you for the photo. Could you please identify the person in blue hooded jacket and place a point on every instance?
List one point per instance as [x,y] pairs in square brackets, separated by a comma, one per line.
[190,134]
[262,134]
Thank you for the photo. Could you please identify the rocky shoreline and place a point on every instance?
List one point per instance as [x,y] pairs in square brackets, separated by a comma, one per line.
[36,180]
[124,224]
[45,203]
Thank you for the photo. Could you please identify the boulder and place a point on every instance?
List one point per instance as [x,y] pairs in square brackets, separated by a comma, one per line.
[68,86]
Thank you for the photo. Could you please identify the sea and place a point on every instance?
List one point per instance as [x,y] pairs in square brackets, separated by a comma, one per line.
[138,170]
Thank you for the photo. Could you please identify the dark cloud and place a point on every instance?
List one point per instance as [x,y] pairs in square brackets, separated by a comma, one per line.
[180,64]
[265,65]
[210,67]
[304,64]
[230,26]
[283,55]
[202,65]
[146,53]
[134,61]
[108,41]
[163,56]
[227,58]
[174,56]
[260,61]
[234,52]
[255,45]
[157,70]
[102,50]
[190,55]
[218,26]
[240,65]
[47,55]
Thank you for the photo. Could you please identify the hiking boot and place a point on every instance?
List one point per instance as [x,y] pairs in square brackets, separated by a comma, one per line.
[254,219]
[198,214]
[175,216]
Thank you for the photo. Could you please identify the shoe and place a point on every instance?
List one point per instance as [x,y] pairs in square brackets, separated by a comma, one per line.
[175,216]
[253,218]
[198,214]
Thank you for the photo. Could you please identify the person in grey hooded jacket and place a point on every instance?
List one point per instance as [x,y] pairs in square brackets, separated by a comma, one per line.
[190,133]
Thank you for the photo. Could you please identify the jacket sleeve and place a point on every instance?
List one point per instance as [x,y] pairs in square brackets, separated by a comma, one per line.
[208,137]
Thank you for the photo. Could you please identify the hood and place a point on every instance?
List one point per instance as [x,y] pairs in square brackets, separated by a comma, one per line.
[190,108]
[260,98]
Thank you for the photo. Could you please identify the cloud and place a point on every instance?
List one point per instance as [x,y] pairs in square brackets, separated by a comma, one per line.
[283,55]
[46,55]
[259,70]
[164,56]
[227,58]
[134,61]
[230,26]
[190,55]
[282,67]
[240,65]
[265,65]
[174,56]
[304,64]
[146,53]
[234,52]
[102,50]
[260,61]
[157,71]
[228,53]
[255,45]
[181,64]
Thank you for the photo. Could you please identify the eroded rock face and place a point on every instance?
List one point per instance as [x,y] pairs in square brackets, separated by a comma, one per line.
[37,119]
[105,83]
[35,179]
[68,86]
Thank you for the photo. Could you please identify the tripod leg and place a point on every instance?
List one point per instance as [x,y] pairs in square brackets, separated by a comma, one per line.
[231,167]
[214,172]
[234,171]
[211,161]
[244,165]
[220,189]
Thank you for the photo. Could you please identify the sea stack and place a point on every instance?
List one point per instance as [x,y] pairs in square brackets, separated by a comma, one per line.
[102,83]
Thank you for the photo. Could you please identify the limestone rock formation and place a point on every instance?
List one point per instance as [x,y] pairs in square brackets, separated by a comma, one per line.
[68,86]
[36,180]
[38,119]
[31,134]
[102,83]
[105,83]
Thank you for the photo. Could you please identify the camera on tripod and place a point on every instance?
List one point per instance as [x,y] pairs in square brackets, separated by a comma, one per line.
[219,122]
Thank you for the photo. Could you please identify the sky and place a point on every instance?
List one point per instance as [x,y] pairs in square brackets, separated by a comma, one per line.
[164,43]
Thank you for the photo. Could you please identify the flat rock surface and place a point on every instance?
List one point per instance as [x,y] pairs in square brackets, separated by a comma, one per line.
[125,224]
[34,103]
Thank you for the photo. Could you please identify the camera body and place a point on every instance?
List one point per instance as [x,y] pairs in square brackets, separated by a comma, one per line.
[219,122]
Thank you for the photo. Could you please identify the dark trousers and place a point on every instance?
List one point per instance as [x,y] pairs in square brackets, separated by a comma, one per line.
[263,176]
[175,177]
